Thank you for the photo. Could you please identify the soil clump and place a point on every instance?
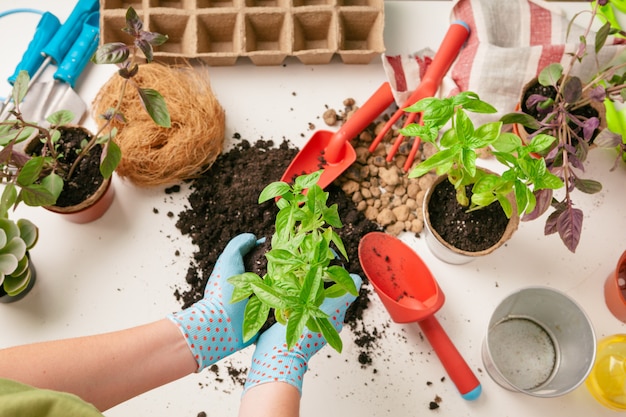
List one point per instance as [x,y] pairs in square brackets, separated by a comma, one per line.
[224,203]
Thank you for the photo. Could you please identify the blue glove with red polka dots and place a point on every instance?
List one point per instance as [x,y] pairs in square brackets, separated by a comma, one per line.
[212,326]
[272,361]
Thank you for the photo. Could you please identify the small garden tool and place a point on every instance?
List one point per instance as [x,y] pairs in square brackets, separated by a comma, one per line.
[450,46]
[64,45]
[410,293]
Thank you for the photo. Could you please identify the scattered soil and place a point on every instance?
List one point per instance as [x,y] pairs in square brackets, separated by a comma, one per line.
[465,230]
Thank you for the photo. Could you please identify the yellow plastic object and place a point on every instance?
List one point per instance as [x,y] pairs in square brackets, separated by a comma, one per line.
[607,380]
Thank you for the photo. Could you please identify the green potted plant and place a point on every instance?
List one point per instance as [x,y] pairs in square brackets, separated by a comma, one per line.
[52,166]
[572,111]
[301,269]
[475,190]
[17,274]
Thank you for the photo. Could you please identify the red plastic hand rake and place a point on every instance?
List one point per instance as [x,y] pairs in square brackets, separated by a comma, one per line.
[449,49]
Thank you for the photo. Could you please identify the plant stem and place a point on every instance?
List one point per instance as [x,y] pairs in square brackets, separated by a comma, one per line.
[95,137]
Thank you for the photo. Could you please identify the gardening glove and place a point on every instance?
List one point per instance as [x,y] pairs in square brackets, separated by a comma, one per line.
[212,326]
[272,361]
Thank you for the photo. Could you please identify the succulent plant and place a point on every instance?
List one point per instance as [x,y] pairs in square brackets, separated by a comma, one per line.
[16,239]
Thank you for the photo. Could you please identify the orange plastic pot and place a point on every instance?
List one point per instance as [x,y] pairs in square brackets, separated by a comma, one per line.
[91,209]
[615,289]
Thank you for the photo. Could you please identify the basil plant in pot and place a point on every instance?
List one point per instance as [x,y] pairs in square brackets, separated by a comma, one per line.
[301,267]
[483,202]
[573,111]
[66,168]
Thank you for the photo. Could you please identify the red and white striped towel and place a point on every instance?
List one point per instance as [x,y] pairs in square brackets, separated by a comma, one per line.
[509,43]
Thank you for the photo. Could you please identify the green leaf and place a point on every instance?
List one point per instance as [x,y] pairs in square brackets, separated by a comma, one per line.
[336,239]
[282,257]
[310,286]
[306,181]
[273,190]
[269,296]
[155,105]
[10,229]
[31,171]
[60,117]
[468,160]
[418,130]
[486,134]
[16,247]
[330,333]
[28,232]
[112,158]
[242,288]
[20,86]
[334,291]
[37,195]
[295,327]
[8,263]
[435,160]
[255,315]
[507,142]
[8,199]
[588,186]
[331,216]
[480,200]
[551,74]
[19,136]
[506,205]
[13,285]
[464,128]
[541,142]
[548,181]
[523,119]
[343,279]
[601,36]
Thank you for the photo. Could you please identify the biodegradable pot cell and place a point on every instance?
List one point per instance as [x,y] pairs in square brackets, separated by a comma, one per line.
[533,87]
[218,32]
[471,224]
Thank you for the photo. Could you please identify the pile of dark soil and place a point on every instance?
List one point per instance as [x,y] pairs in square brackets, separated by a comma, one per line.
[466,229]
[224,203]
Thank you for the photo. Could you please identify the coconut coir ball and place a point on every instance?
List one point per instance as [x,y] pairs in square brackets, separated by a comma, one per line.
[154,155]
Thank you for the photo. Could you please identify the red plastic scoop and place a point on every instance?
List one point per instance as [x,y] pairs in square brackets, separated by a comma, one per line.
[410,293]
[332,151]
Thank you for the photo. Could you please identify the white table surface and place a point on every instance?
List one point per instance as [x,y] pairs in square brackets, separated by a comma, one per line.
[89,274]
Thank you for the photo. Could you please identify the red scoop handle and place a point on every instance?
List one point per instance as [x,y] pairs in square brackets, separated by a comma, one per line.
[454,364]
[442,61]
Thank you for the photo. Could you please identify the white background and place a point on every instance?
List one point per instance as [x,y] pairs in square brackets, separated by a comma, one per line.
[89,275]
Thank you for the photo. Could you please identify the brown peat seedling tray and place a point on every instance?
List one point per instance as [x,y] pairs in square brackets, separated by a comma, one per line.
[218,32]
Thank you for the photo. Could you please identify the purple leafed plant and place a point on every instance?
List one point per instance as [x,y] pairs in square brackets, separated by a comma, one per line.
[570,110]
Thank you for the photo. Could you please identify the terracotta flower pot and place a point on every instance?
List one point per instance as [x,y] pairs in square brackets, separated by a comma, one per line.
[615,289]
[91,209]
[90,205]
[447,251]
